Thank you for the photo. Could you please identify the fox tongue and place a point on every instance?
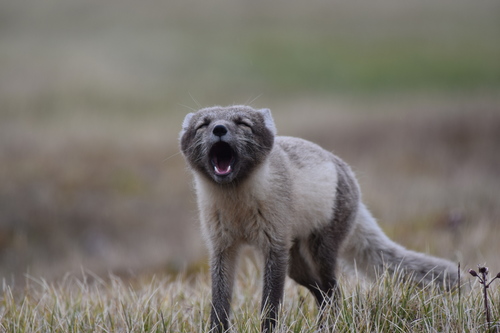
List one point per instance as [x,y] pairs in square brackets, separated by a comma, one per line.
[222,167]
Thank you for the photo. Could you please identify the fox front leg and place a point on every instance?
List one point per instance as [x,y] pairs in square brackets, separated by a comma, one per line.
[274,283]
[222,269]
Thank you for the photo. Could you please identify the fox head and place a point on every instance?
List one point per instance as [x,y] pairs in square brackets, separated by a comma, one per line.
[225,144]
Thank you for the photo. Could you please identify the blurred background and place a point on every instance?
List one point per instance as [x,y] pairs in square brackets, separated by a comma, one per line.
[93,93]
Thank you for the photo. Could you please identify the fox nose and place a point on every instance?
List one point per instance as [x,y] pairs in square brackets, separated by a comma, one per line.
[219,130]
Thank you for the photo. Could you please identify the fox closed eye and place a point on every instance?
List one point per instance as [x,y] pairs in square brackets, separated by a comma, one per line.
[202,125]
[241,123]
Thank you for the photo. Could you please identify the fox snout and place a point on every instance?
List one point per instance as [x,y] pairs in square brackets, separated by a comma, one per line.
[219,130]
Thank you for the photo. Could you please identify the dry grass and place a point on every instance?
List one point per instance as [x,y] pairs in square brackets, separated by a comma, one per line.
[182,304]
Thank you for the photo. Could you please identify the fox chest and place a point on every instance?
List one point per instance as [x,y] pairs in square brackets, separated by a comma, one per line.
[240,223]
[244,216]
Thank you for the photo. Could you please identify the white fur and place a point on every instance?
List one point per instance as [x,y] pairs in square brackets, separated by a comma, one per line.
[236,210]
[313,192]
[313,197]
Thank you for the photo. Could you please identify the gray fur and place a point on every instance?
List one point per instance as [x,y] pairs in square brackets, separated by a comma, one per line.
[297,203]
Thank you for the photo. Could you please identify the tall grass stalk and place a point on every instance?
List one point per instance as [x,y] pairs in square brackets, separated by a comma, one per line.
[483,280]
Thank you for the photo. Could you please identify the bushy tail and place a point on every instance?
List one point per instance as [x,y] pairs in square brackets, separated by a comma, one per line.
[373,252]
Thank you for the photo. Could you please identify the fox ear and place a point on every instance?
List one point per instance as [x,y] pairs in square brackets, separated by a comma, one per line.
[268,120]
[185,124]
[187,120]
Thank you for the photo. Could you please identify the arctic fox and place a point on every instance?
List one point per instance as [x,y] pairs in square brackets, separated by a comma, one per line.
[299,204]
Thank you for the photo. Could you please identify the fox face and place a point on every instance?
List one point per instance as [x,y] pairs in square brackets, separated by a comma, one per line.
[225,144]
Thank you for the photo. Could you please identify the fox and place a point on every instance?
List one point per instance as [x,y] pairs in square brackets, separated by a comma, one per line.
[298,204]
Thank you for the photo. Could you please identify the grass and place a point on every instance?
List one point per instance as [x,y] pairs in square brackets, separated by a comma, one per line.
[181,304]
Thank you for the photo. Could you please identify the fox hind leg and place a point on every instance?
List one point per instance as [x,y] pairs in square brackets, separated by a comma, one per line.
[323,250]
[303,272]
[312,265]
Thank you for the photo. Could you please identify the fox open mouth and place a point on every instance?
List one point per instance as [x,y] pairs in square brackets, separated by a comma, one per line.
[222,158]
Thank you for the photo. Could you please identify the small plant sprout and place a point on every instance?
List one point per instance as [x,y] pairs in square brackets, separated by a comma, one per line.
[483,279]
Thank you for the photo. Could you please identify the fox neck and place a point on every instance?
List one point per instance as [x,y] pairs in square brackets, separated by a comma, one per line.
[252,188]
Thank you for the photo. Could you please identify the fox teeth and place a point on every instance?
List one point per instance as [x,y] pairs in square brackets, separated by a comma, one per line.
[222,172]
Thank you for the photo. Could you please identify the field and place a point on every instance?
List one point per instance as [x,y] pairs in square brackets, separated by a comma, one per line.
[91,304]
[92,95]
